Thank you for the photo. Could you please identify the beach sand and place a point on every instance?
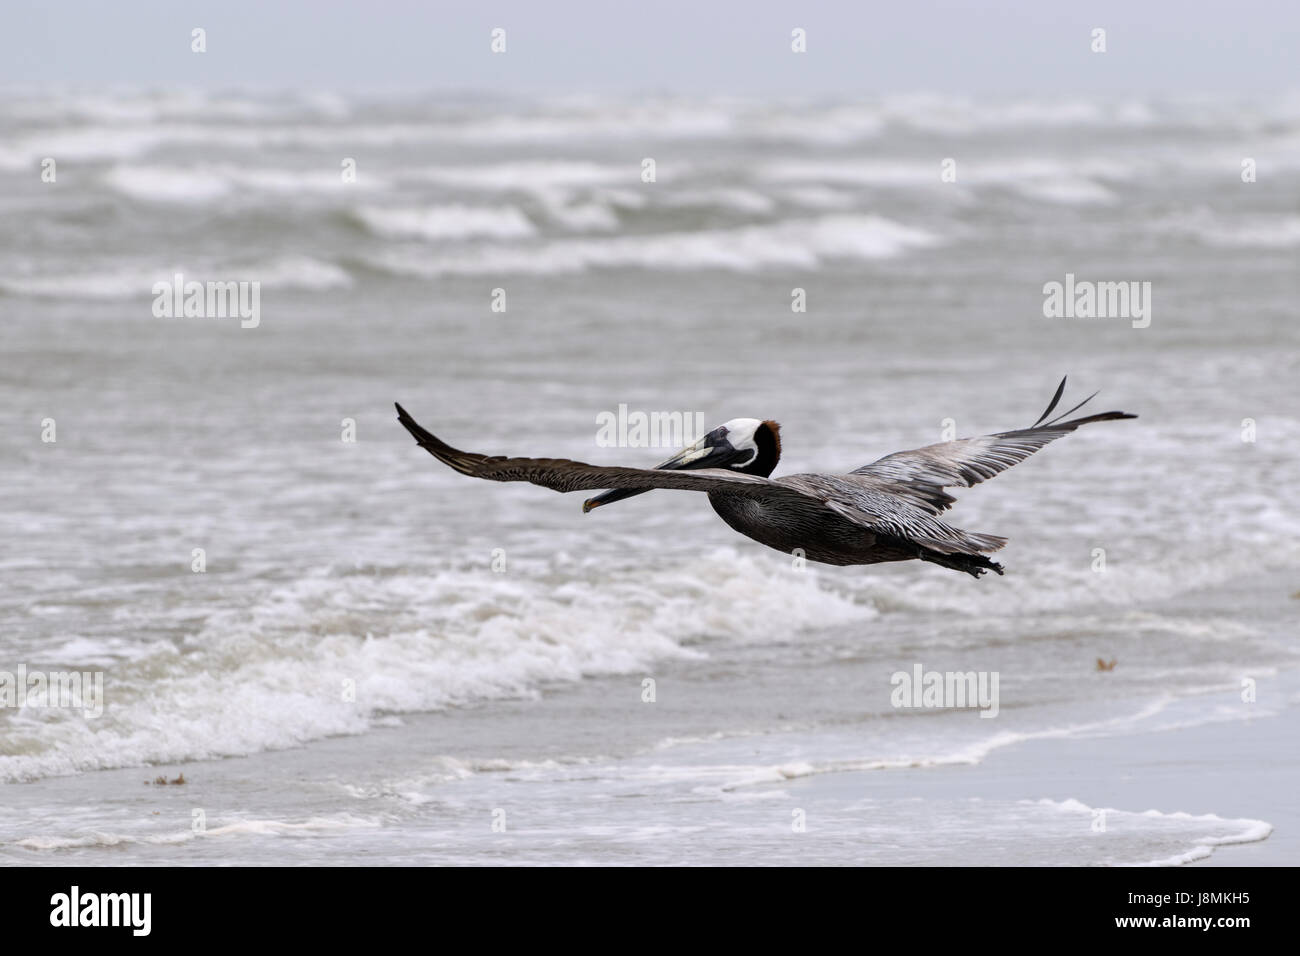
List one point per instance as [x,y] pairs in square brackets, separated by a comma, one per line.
[424,791]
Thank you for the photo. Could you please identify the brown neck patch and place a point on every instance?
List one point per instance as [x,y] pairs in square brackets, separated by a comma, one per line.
[768,438]
[775,429]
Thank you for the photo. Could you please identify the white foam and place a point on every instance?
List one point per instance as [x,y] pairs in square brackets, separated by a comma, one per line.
[334,823]
[1204,831]
[530,175]
[445,222]
[804,243]
[121,284]
[819,197]
[299,272]
[1067,190]
[273,674]
[207,183]
[136,281]
[1044,179]
[96,127]
[1246,232]
[564,209]
[162,184]
[899,748]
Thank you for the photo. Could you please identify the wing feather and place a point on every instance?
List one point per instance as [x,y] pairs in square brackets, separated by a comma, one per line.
[923,473]
[562,474]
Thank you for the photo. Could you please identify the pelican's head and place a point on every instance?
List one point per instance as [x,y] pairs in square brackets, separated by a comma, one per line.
[742,444]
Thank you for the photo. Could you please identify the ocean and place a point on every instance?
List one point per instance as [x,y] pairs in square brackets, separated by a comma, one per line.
[355,655]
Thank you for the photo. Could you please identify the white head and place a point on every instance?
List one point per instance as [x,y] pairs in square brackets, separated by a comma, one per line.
[741,434]
[742,444]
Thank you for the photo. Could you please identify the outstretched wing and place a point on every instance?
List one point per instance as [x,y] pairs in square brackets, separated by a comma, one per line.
[794,499]
[923,473]
[561,474]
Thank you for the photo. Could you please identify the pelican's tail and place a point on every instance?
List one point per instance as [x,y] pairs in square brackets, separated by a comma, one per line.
[985,542]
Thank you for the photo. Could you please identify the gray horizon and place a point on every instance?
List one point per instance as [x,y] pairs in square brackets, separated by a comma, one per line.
[1007,48]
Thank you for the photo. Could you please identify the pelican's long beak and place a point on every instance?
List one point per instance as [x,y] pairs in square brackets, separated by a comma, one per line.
[709,452]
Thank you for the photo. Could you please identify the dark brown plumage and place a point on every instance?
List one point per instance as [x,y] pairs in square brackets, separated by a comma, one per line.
[888,510]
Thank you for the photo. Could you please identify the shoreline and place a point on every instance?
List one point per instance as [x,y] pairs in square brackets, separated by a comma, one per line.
[277,805]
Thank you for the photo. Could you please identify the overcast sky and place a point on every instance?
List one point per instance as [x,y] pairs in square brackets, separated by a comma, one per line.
[979,47]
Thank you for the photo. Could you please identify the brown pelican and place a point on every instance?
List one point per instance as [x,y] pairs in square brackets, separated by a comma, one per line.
[885,511]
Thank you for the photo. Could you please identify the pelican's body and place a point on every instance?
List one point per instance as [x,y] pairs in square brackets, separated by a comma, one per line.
[885,511]
[816,532]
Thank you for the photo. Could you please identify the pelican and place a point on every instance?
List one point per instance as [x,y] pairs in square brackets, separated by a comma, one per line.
[888,510]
